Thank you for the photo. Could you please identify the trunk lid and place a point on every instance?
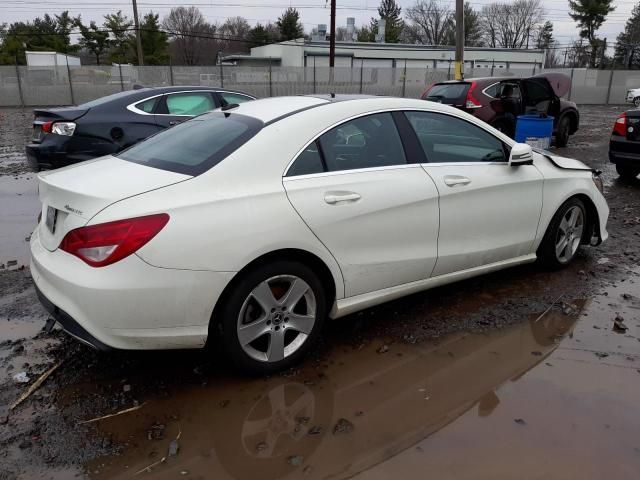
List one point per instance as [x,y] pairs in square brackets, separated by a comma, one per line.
[560,82]
[40,116]
[71,196]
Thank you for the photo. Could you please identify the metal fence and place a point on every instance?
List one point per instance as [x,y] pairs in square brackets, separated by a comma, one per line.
[48,86]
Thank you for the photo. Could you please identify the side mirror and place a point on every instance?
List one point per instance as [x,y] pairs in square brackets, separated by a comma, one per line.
[521,154]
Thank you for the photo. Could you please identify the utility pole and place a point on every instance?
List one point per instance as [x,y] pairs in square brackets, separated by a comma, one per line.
[138,39]
[459,68]
[332,37]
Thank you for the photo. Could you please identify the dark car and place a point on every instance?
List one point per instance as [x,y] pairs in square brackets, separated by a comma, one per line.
[63,136]
[624,146]
[499,100]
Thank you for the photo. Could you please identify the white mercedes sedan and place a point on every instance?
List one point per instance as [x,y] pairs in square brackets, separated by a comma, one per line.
[254,223]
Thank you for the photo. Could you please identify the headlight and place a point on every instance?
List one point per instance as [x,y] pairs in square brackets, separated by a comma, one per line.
[597,179]
[63,128]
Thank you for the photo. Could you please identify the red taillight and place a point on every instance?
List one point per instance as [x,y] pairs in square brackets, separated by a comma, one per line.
[426,92]
[107,243]
[620,127]
[46,127]
[472,102]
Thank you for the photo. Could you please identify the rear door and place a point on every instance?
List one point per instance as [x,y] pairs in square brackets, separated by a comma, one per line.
[489,210]
[375,212]
[176,107]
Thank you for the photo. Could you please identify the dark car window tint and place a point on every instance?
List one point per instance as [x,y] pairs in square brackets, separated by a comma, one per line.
[115,96]
[148,105]
[537,92]
[231,98]
[192,103]
[493,91]
[195,146]
[450,139]
[447,91]
[371,141]
[309,161]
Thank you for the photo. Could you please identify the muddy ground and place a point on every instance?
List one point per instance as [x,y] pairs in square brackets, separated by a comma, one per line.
[518,374]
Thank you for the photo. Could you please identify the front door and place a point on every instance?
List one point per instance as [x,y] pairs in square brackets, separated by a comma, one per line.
[489,210]
[376,213]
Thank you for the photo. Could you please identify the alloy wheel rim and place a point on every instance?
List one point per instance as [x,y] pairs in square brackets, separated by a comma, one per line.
[569,234]
[276,318]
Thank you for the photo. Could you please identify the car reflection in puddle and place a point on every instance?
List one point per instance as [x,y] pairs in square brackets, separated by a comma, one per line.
[284,427]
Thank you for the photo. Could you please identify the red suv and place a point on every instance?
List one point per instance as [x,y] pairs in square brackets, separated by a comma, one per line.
[499,100]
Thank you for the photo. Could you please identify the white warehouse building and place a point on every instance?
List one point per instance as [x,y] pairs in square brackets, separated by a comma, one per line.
[310,53]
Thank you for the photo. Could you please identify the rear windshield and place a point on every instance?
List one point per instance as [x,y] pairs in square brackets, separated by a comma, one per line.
[194,146]
[110,98]
[447,92]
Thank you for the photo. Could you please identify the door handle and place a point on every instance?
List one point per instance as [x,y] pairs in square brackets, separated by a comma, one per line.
[454,180]
[335,197]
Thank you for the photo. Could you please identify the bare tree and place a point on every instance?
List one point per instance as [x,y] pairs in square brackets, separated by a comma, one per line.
[186,26]
[510,25]
[430,23]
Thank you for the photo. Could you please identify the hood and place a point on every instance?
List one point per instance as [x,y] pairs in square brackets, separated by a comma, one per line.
[563,162]
[560,82]
[79,192]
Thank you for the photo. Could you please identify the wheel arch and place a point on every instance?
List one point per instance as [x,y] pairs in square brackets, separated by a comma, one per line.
[593,218]
[307,258]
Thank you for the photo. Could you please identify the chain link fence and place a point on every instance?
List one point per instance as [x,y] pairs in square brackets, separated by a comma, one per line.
[50,86]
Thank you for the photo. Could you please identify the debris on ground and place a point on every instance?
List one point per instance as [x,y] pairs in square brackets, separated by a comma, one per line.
[121,412]
[602,354]
[343,426]
[295,460]
[156,432]
[569,309]
[383,349]
[536,353]
[315,430]
[549,308]
[262,446]
[618,324]
[35,385]
[21,377]
[520,421]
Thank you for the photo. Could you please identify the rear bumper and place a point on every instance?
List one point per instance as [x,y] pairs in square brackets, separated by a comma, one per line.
[624,152]
[55,151]
[129,305]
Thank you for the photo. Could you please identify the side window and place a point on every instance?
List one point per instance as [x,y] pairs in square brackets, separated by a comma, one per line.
[230,98]
[538,94]
[371,141]
[191,103]
[147,105]
[447,139]
[493,91]
[309,161]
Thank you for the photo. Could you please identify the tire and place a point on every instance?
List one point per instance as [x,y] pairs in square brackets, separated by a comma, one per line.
[636,101]
[627,172]
[563,227]
[562,134]
[257,322]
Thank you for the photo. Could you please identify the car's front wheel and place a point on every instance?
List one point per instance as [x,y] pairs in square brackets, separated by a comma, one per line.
[636,101]
[273,316]
[627,172]
[562,134]
[564,234]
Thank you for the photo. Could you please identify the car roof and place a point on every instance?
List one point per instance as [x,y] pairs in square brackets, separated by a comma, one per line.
[270,110]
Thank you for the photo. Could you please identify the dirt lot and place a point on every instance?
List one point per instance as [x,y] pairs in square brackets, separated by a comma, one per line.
[464,382]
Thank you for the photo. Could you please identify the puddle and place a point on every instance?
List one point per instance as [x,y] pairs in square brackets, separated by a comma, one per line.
[239,428]
[19,208]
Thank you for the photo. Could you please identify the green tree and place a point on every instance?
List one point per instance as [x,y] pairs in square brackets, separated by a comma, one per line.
[155,43]
[289,24]
[366,34]
[94,39]
[627,51]
[590,15]
[122,41]
[472,27]
[544,36]
[390,11]
[259,35]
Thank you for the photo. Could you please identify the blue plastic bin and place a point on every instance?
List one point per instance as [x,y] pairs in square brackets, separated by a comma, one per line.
[534,130]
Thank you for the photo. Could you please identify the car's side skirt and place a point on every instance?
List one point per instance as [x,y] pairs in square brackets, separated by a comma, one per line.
[349,305]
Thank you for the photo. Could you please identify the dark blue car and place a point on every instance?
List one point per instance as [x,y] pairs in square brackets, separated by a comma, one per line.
[63,136]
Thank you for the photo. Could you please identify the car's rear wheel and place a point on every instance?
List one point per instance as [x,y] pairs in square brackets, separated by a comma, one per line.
[562,239]
[273,316]
[562,133]
[627,172]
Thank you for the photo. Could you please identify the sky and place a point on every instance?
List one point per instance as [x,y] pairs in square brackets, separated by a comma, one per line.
[312,12]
